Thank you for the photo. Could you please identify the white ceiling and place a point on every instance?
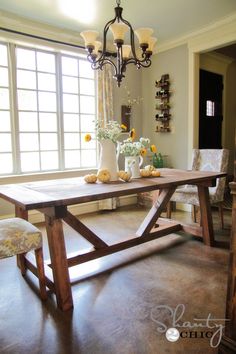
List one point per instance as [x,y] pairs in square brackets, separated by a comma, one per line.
[169,18]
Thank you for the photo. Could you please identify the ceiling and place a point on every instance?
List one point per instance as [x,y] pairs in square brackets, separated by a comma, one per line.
[169,18]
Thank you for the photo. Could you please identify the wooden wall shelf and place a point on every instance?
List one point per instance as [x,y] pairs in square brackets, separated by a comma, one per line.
[163,115]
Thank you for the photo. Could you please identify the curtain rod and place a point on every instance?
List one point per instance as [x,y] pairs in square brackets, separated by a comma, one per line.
[51,40]
[42,38]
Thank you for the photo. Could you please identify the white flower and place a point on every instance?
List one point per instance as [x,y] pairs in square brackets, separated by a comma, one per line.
[111,131]
[131,101]
[129,148]
[145,141]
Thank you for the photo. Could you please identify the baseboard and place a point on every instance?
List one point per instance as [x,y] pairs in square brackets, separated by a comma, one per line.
[128,200]
[184,207]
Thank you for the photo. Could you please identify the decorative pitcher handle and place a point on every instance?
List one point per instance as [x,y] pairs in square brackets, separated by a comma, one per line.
[117,150]
[141,161]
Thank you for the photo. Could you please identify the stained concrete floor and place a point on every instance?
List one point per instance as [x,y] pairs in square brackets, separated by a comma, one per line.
[117,302]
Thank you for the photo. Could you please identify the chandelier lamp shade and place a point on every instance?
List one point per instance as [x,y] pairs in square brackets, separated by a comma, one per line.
[125,53]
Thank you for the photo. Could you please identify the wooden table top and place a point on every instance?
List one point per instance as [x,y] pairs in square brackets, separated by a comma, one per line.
[68,191]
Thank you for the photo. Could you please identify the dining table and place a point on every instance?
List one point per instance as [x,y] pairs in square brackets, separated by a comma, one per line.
[53,197]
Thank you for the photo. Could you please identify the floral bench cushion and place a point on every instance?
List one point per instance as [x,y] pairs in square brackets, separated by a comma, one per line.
[189,195]
[18,236]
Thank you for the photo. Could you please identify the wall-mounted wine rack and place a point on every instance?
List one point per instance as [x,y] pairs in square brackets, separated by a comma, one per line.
[163,105]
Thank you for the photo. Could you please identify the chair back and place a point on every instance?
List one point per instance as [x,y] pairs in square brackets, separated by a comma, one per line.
[212,160]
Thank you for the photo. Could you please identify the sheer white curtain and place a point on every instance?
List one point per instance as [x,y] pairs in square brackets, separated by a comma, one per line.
[106,113]
[105,95]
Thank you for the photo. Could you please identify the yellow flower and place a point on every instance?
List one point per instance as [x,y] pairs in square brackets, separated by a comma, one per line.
[153,148]
[87,138]
[123,127]
[132,134]
[143,152]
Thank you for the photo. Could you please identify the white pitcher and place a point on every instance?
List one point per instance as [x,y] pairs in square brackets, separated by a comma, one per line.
[133,164]
[108,159]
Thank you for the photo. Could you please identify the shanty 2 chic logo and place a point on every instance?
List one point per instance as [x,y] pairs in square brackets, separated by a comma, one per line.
[211,328]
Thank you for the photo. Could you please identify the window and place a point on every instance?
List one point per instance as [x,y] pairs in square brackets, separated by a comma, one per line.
[47,111]
[210,108]
[6,158]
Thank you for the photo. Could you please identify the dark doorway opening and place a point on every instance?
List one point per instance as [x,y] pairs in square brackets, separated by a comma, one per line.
[210,110]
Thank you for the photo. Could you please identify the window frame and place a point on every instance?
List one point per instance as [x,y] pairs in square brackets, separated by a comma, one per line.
[14,110]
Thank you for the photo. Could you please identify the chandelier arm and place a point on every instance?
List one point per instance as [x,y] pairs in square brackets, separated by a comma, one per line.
[127,62]
[130,61]
[144,63]
[100,59]
[100,63]
[106,28]
[131,37]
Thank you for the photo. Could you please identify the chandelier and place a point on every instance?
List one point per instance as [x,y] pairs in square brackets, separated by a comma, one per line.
[125,53]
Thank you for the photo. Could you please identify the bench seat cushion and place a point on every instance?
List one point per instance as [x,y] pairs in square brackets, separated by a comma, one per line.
[18,236]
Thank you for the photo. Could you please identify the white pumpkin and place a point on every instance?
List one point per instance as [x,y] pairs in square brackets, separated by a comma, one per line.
[149,167]
[156,173]
[125,176]
[145,173]
[90,178]
[104,176]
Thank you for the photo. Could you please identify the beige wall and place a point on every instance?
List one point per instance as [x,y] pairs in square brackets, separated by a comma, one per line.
[175,63]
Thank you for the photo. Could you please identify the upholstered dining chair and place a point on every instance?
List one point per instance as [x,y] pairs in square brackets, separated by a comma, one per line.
[18,236]
[204,160]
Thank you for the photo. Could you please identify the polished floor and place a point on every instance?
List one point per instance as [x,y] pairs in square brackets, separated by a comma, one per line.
[123,303]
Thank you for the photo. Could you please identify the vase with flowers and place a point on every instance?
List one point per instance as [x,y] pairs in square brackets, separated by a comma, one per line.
[134,151]
[127,107]
[107,135]
[131,101]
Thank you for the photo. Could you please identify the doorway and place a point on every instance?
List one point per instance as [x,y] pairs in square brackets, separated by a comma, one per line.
[210,110]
